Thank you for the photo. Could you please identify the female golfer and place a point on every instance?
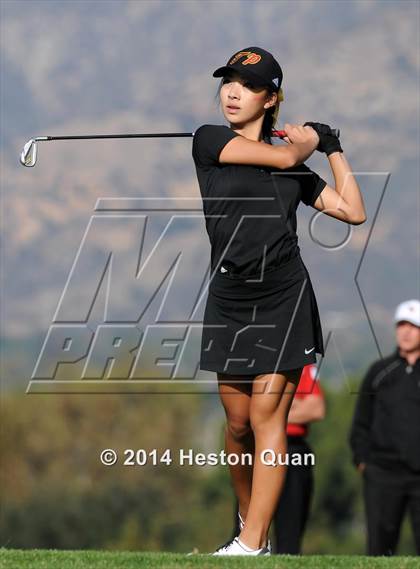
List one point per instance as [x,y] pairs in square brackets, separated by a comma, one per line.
[261,322]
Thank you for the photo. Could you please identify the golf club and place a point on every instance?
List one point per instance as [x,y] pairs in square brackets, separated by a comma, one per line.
[28,155]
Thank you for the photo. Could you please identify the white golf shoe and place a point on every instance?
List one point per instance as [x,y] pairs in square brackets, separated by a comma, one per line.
[241,527]
[236,547]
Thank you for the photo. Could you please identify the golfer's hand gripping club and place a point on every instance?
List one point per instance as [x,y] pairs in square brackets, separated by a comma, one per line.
[283,134]
[328,138]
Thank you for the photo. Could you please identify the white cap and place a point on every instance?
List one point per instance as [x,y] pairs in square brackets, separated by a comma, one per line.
[409,311]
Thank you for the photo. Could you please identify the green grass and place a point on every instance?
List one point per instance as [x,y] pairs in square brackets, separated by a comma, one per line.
[89,559]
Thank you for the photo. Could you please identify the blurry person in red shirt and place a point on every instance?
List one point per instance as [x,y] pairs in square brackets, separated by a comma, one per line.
[294,504]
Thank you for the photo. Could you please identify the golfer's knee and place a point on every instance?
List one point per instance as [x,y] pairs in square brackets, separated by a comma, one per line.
[263,420]
[239,429]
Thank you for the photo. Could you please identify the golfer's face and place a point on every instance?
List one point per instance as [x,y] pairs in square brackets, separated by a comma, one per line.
[408,335]
[245,96]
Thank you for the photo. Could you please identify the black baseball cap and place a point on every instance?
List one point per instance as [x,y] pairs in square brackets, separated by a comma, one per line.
[255,64]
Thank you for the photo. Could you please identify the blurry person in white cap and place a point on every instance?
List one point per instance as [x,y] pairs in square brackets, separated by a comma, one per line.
[408,311]
[385,437]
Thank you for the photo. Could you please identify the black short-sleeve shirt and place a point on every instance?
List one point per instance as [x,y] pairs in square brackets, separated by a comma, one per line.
[250,211]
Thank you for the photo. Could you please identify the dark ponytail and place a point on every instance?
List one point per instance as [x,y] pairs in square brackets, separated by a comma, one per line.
[270,117]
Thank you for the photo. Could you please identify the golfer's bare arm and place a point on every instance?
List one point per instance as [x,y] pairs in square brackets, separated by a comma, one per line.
[345,201]
[241,150]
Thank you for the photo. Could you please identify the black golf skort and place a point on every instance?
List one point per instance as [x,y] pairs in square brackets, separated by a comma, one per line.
[262,324]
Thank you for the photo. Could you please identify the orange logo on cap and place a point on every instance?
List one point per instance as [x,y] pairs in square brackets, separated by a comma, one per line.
[251,58]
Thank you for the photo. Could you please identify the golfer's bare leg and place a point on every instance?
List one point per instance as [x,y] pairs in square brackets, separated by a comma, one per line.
[270,403]
[239,438]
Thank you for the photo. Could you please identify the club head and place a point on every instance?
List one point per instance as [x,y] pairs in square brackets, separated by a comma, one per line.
[28,154]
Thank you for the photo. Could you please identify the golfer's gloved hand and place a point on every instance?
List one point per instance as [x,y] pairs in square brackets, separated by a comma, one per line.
[328,142]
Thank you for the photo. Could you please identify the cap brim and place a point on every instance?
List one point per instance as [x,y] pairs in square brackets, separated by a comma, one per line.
[408,319]
[221,71]
[226,70]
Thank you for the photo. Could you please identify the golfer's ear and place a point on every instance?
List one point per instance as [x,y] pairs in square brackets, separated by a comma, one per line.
[241,150]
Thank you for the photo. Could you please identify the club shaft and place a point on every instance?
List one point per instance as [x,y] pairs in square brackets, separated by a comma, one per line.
[275,133]
[92,136]
[29,152]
